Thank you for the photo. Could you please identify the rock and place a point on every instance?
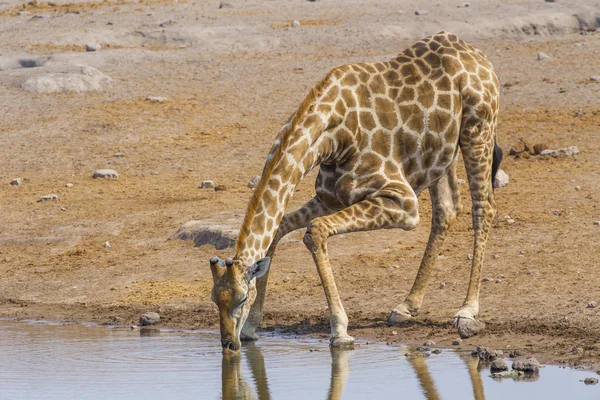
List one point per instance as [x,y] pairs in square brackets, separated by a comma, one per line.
[286,279]
[456,342]
[253,181]
[521,147]
[16,182]
[394,333]
[154,173]
[577,187]
[542,56]
[528,365]
[592,304]
[69,185]
[464,5]
[203,233]
[595,78]
[507,374]
[224,4]
[485,354]
[105,173]
[423,348]
[49,197]
[429,343]
[156,99]
[486,279]
[295,23]
[119,155]
[92,47]
[499,365]
[539,147]
[442,285]
[207,185]
[597,223]
[436,351]
[149,318]
[470,327]
[107,245]
[421,12]
[590,381]
[72,78]
[167,23]
[510,221]
[567,151]
[63,209]
[501,179]
[220,188]
[469,256]
[498,281]
[516,353]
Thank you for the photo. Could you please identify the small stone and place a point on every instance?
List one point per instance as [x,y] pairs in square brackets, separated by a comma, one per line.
[597,223]
[567,151]
[394,333]
[429,343]
[107,245]
[105,173]
[156,99]
[592,304]
[92,47]
[485,354]
[286,278]
[220,188]
[442,285]
[577,187]
[579,112]
[469,256]
[224,4]
[465,5]
[528,365]
[507,374]
[499,365]
[542,56]
[469,328]
[510,221]
[149,318]
[577,350]
[167,23]
[487,279]
[595,78]
[456,342]
[539,147]
[69,185]
[133,327]
[516,353]
[295,23]
[590,381]
[423,348]
[63,209]
[119,155]
[498,281]
[421,12]
[16,182]
[253,181]
[207,185]
[436,351]
[49,197]
[501,179]
[154,173]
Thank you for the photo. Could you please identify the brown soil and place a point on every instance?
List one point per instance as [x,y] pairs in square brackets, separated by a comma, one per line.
[228,95]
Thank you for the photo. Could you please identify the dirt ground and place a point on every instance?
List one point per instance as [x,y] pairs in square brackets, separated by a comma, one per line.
[232,76]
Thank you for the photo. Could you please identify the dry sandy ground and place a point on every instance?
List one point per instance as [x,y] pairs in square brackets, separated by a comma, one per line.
[232,76]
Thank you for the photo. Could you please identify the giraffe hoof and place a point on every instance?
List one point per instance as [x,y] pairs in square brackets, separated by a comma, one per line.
[342,342]
[248,336]
[398,317]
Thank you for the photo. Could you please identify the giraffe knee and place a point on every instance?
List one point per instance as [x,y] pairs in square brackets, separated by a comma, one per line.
[315,236]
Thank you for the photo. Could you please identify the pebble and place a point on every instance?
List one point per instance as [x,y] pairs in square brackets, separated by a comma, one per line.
[207,185]
[421,12]
[154,173]
[498,281]
[501,179]
[119,155]
[105,173]
[577,187]
[510,221]
[149,318]
[469,328]
[469,256]
[49,197]
[423,348]
[499,365]
[167,23]
[92,47]
[597,223]
[516,353]
[436,351]
[464,5]
[224,4]
[542,56]
[590,381]
[567,151]
[16,182]
[442,285]
[486,354]
[69,185]
[156,99]
[507,374]
[429,343]
[528,365]
[286,278]
[63,209]
[539,147]
[107,245]
[592,304]
[220,188]
[456,342]
[394,333]
[295,23]
[487,279]
[595,78]
[253,181]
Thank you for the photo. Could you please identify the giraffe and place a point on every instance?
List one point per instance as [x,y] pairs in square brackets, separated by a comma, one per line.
[381,133]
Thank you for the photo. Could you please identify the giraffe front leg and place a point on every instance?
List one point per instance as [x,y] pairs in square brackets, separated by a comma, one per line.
[289,223]
[394,209]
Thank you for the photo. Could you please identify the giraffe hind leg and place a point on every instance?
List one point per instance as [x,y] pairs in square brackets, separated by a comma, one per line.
[384,209]
[289,223]
[445,200]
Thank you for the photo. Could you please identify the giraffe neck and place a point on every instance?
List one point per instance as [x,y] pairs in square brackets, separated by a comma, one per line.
[295,152]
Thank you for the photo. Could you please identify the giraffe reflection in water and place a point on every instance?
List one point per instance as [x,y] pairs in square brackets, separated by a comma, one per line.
[236,387]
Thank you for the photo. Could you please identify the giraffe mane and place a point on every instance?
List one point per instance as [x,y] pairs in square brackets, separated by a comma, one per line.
[306,105]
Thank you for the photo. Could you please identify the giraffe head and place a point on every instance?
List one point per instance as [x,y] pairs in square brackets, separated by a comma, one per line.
[234,293]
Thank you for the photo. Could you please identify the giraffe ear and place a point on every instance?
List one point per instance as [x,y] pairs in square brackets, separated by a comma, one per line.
[258,269]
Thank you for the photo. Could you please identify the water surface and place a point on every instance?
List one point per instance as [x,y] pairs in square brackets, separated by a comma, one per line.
[53,361]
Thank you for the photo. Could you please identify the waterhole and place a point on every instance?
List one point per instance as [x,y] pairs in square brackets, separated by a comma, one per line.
[40,360]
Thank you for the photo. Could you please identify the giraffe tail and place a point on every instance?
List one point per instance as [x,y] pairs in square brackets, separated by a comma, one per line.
[496,160]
